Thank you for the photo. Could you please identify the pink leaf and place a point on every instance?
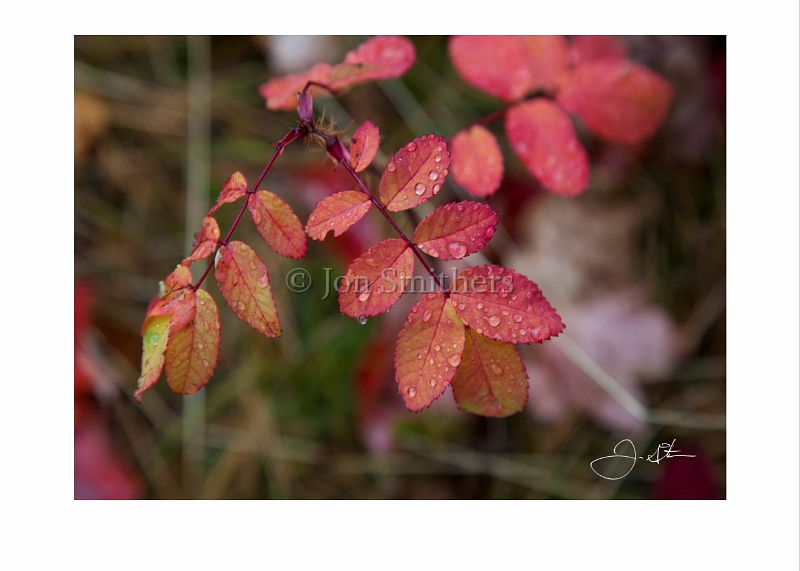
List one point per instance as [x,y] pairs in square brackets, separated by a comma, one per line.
[281,92]
[504,305]
[491,379]
[415,173]
[456,230]
[382,57]
[544,139]
[620,101]
[375,280]
[278,224]
[205,242]
[591,48]
[477,161]
[364,146]
[244,283]
[337,212]
[428,351]
[509,67]
[235,188]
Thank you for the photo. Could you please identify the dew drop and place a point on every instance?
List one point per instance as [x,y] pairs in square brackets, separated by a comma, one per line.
[391,167]
[503,293]
[497,369]
[419,355]
[256,216]
[494,321]
[412,146]
[199,345]
[457,250]
[438,147]
[364,296]
[479,305]
[461,306]
[517,318]
[523,332]
[419,188]
[438,158]
[489,232]
[235,280]
[436,188]
[427,315]
[361,320]
[412,392]
[454,360]
[446,369]
[252,265]
[438,348]
[241,305]
[460,207]
[476,206]
[433,382]
[430,361]
[205,363]
[433,175]
[263,279]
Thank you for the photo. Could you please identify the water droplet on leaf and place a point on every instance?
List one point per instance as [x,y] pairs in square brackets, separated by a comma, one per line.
[457,250]
[494,321]
[362,320]
[419,188]
[427,315]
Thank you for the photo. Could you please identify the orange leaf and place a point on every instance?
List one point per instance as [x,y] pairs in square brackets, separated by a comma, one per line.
[281,92]
[244,283]
[375,280]
[544,139]
[589,48]
[504,305]
[477,161]
[193,348]
[364,146]
[508,67]
[428,351]
[278,224]
[620,101]
[415,173]
[456,230]
[206,241]
[382,57]
[233,189]
[337,212]
[491,380]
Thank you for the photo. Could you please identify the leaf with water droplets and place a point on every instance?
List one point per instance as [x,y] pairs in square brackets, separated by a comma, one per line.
[455,230]
[281,92]
[194,340]
[415,173]
[592,48]
[375,280]
[382,57]
[171,291]
[544,139]
[337,212]
[509,67]
[206,241]
[278,224]
[233,189]
[428,351]
[154,343]
[620,101]
[491,379]
[364,146]
[244,283]
[504,305]
[477,161]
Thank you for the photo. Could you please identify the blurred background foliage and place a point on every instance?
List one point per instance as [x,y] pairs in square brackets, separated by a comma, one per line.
[636,266]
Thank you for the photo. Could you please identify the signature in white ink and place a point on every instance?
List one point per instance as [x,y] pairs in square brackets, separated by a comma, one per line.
[663,452]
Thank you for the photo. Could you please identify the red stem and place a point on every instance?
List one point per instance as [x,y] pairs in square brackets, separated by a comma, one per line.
[383,211]
[292,135]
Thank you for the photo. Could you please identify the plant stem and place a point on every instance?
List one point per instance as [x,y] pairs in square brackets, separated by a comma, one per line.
[386,215]
[291,136]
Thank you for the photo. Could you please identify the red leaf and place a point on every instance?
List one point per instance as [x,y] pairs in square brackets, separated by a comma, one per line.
[491,380]
[374,281]
[281,92]
[206,241]
[233,189]
[168,291]
[591,48]
[154,342]
[428,351]
[544,139]
[193,348]
[382,57]
[504,305]
[415,173]
[244,283]
[364,146]
[337,212]
[278,224]
[620,101]
[508,67]
[456,230]
[477,161]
